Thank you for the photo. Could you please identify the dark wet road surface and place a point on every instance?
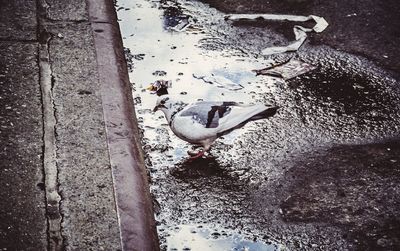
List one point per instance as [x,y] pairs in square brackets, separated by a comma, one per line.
[322,174]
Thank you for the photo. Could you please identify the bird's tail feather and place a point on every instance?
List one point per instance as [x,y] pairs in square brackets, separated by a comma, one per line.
[269,112]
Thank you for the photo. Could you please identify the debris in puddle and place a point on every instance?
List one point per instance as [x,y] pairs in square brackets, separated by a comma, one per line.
[288,70]
[271,65]
[159,73]
[129,59]
[175,20]
[219,81]
[204,238]
[352,15]
[300,32]
[137,100]
[182,25]
[160,87]
[139,56]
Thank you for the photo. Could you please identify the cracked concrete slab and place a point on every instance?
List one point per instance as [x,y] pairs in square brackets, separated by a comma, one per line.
[84,172]
[21,25]
[55,167]
[22,204]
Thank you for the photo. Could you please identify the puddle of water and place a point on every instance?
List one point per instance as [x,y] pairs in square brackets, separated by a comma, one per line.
[203,238]
[208,190]
[157,51]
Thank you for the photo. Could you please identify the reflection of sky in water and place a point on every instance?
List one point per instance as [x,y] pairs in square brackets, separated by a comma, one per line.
[177,53]
[200,238]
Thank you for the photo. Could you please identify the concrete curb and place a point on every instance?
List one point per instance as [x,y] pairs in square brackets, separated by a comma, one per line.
[132,195]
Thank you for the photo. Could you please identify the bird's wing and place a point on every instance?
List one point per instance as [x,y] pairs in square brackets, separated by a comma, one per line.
[205,121]
[208,114]
[221,116]
[238,116]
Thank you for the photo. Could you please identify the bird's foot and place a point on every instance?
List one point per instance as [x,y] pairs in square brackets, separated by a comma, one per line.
[196,156]
[194,151]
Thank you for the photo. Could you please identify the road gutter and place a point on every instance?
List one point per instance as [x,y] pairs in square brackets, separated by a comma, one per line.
[132,195]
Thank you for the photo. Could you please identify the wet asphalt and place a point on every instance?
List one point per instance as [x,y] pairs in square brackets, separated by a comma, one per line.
[322,174]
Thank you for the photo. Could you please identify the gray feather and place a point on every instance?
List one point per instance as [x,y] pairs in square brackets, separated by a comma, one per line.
[208,114]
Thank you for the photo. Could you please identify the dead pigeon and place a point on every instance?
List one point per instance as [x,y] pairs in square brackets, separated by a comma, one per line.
[201,123]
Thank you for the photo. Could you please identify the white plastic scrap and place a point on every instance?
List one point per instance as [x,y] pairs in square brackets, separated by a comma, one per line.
[299,31]
[220,81]
[181,26]
[288,70]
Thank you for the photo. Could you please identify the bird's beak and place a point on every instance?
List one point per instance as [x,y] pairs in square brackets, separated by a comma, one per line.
[155,109]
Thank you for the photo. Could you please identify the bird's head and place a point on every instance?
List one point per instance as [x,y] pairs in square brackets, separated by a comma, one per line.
[169,106]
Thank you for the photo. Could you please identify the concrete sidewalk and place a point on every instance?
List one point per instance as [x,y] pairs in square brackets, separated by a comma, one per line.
[71,167]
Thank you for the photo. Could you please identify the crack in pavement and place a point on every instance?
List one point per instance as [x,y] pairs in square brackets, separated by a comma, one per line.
[53,197]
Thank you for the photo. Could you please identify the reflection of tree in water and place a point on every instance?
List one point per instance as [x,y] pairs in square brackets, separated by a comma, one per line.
[174,19]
